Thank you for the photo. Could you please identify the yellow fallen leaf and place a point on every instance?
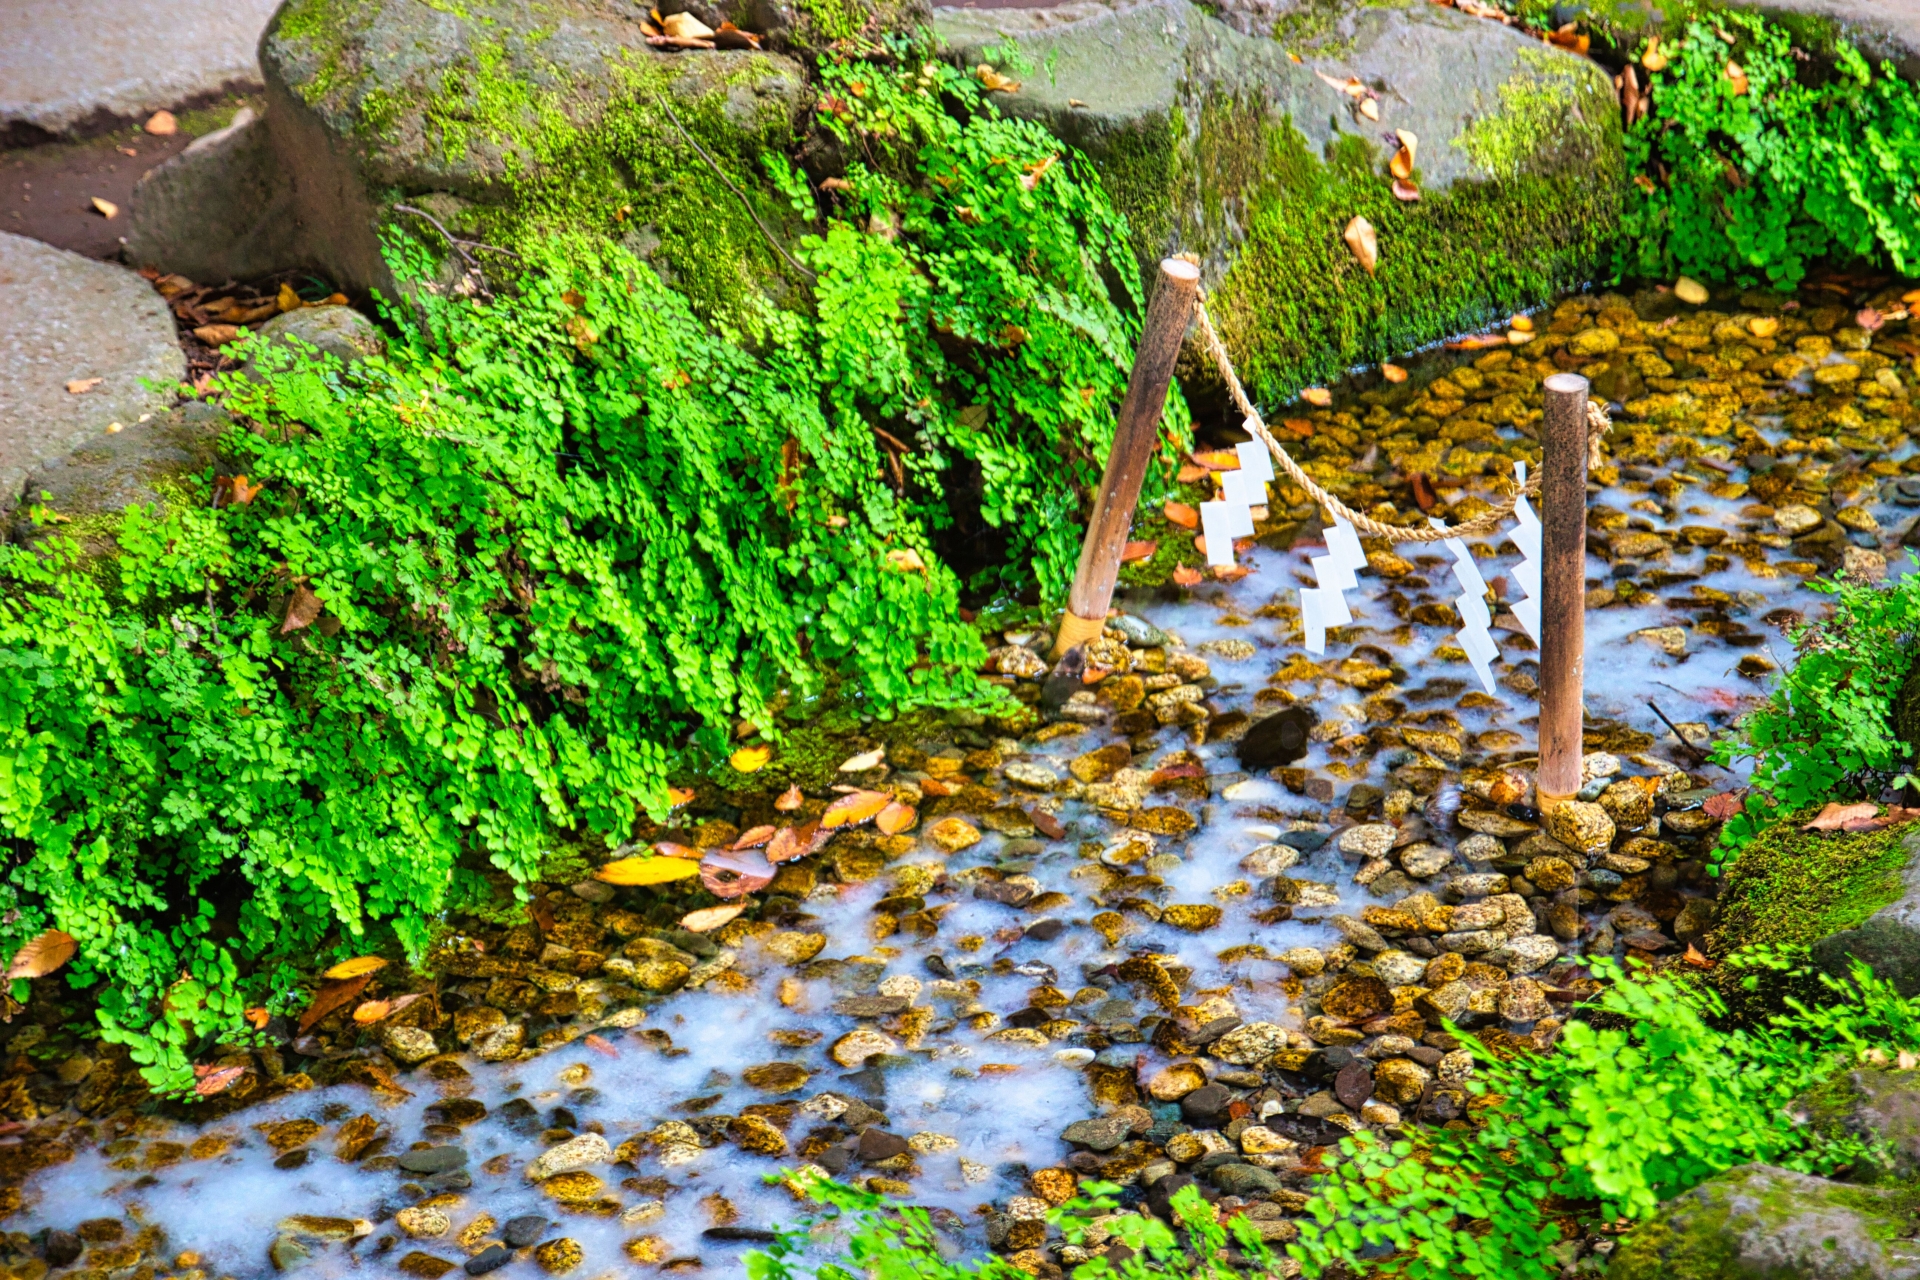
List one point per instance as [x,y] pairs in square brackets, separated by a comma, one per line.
[1763,326]
[1736,78]
[645,871]
[994,81]
[895,818]
[1370,108]
[751,759]
[1655,58]
[1520,321]
[161,124]
[80,386]
[1319,397]
[1393,373]
[355,967]
[864,761]
[708,919]
[371,1011]
[677,796]
[1360,238]
[105,208]
[851,810]
[1519,337]
[288,299]
[906,559]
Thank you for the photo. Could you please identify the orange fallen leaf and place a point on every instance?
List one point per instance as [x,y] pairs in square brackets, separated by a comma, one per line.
[1401,166]
[1230,572]
[161,124]
[1867,318]
[330,997]
[1843,817]
[1570,41]
[864,761]
[105,208]
[750,759]
[1370,108]
[789,843]
[258,1017]
[852,810]
[80,386]
[1319,397]
[1187,517]
[1217,459]
[208,1081]
[647,871]
[708,919]
[41,954]
[1697,958]
[216,335]
[895,818]
[1036,171]
[601,1045]
[668,849]
[242,492]
[1520,321]
[355,967]
[677,796]
[1393,373]
[754,837]
[371,1011]
[790,799]
[1736,78]
[994,81]
[1138,551]
[1185,577]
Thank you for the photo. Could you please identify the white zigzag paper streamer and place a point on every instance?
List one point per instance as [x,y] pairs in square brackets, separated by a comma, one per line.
[1474,637]
[1526,536]
[1240,492]
[1325,606]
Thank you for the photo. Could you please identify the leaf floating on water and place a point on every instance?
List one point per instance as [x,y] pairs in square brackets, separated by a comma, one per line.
[1185,577]
[708,919]
[729,873]
[601,1045]
[1360,238]
[750,759]
[1319,397]
[864,761]
[1179,513]
[895,818]
[355,967]
[790,799]
[789,843]
[208,1081]
[852,810]
[647,871]
[1724,805]
[41,954]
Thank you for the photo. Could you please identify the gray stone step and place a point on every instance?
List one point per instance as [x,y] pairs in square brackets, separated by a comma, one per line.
[65,318]
[78,65]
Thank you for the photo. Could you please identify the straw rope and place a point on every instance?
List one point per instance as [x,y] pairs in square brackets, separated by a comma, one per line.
[1480,526]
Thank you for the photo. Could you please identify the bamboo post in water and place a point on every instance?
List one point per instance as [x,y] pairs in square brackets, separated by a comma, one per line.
[1134,441]
[1563,588]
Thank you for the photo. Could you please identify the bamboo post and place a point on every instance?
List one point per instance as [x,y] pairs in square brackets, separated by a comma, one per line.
[1563,588]
[1134,441]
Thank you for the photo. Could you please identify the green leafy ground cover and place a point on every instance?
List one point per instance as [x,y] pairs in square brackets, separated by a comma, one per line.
[501,583]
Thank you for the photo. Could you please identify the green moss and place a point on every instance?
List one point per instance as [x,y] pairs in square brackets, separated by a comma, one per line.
[835,19]
[1139,167]
[1536,103]
[1792,888]
[326,27]
[630,169]
[1298,308]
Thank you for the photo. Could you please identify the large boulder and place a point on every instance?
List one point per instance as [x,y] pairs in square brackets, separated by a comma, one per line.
[1758,1222]
[1877,1105]
[1222,144]
[220,210]
[1889,938]
[499,120]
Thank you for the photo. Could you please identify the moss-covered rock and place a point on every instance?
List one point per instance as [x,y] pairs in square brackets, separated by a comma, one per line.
[1758,1222]
[1879,1106]
[1221,144]
[506,120]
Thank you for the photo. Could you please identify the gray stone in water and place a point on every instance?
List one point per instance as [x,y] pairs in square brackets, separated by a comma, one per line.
[433,1160]
[68,319]
[66,70]
[524,1230]
[286,1253]
[220,210]
[1888,940]
[1100,1133]
[148,464]
[1761,1222]
[1140,633]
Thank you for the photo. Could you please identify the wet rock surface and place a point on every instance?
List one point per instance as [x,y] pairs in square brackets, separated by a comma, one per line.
[1092,943]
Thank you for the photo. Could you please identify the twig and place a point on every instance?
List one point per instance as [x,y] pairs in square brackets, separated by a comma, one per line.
[458,245]
[728,183]
[1699,756]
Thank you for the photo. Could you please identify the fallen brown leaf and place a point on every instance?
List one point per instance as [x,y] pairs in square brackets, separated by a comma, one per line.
[80,386]
[1047,825]
[1185,577]
[105,208]
[1845,817]
[1724,805]
[1138,551]
[1697,958]
[1182,514]
[668,849]
[708,919]
[852,810]
[601,1045]
[734,874]
[789,843]
[1360,238]
[161,124]
[330,997]
[41,954]
[1423,495]
[1393,373]
[1405,191]
[790,799]
[216,335]
[1319,397]
[208,1081]
[754,837]
[732,37]
[303,610]
[895,818]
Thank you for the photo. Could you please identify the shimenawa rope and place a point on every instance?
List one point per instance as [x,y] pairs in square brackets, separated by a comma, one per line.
[1480,526]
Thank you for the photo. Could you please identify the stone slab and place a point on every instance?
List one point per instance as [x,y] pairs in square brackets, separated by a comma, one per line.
[78,65]
[223,209]
[65,317]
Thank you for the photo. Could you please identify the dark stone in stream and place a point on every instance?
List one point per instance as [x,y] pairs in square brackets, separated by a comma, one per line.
[1065,679]
[1353,1085]
[1277,740]
[1207,1105]
[1304,841]
[520,1116]
[1306,1130]
[1238,1179]
[741,1235]
[294,1159]
[870,1006]
[62,1248]
[433,1159]
[491,1258]
[834,1160]
[451,1180]
[524,1230]
[1046,930]
[1160,1194]
[877,1144]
